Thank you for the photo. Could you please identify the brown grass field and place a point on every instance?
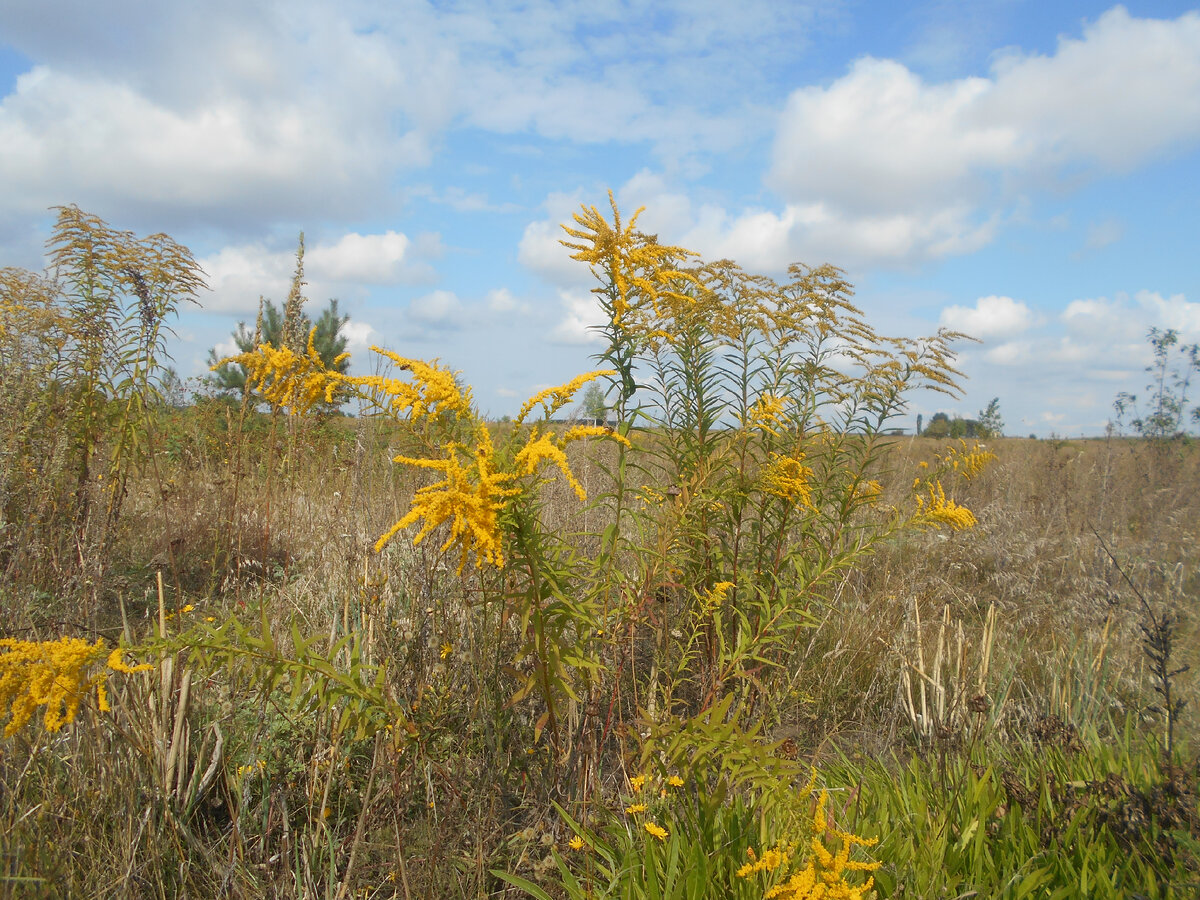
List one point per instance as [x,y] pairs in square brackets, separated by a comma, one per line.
[114,805]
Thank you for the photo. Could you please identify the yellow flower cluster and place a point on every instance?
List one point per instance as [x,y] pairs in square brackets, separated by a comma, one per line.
[118,664]
[970,460]
[469,496]
[547,446]
[432,393]
[640,269]
[251,768]
[788,477]
[555,398]
[53,674]
[941,511]
[824,874]
[767,414]
[287,379]
[868,492]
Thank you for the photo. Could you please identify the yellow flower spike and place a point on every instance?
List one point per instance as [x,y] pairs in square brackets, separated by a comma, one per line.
[542,447]
[578,432]
[117,663]
[432,391]
[819,821]
[287,379]
[553,399]
[940,511]
[786,477]
[767,414]
[640,270]
[470,498]
[50,674]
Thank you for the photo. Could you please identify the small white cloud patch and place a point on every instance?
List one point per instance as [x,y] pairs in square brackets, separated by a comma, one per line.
[991,317]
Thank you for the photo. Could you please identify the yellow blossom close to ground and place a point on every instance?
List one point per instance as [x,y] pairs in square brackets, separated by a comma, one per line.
[656,830]
[54,674]
[967,459]
[824,875]
[942,511]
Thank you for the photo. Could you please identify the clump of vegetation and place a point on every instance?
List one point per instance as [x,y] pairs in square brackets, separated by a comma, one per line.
[417,653]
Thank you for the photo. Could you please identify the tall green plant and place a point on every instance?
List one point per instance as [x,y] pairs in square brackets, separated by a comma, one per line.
[103,309]
[1166,413]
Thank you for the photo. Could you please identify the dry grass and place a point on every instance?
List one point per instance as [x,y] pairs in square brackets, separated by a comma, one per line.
[327,816]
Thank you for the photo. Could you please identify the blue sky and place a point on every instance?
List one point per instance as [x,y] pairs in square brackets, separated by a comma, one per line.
[1023,171]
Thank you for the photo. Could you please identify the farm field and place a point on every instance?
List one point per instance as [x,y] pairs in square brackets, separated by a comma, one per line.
[740,642]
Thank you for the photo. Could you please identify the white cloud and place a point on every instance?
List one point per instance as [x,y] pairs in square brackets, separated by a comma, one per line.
[541,249]
[439,309]
[248,114]
[364,259]
[582,314]
[238,275]
[1065,370]
[105,145]
[359,337]
[502,302]
[1128,319]
[880,146]
[1010,353]
[990,317]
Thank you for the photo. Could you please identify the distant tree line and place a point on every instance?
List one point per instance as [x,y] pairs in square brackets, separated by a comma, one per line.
[988,424]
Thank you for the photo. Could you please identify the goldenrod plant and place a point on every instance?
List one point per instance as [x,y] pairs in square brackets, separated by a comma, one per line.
[413,652]
[57,676]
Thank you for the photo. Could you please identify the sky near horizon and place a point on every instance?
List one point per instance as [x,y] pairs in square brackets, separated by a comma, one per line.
[1026,172]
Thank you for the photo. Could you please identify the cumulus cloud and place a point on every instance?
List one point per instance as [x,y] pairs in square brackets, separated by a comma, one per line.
[1067,368]
[359,336]
[368,259]
[502,302]
[882,145]
[581,314]
[104,145]
[246,114]
[238,275]
[990,317]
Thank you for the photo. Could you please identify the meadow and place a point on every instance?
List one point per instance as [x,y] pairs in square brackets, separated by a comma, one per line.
[741,641]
